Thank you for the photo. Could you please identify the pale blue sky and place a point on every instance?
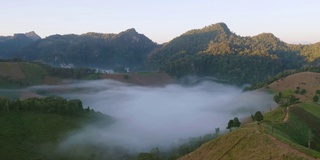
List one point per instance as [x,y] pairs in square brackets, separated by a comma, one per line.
[292,21]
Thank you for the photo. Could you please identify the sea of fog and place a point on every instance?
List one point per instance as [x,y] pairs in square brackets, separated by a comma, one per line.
[148,117]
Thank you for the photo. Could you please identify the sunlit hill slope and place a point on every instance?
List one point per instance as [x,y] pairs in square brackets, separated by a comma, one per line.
[290,132]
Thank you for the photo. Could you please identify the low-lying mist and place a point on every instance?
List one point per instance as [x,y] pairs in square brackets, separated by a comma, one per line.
[148,117]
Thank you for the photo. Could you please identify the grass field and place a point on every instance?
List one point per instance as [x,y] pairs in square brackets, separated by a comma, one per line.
[295,131]
[273,139]
[11,70]
[276,116]
[20,74]
[34,73]
[313,108]
[248,142]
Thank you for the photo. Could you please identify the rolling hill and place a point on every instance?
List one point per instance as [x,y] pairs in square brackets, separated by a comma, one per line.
[285,133]
[248,142]
[310,81]
[19,74]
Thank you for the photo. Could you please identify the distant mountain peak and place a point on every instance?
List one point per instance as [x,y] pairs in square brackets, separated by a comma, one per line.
[132,30]
[32,35]
[267,37]
[221,27]
[218,27]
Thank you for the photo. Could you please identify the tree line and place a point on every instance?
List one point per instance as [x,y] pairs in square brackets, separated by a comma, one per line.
[52,104]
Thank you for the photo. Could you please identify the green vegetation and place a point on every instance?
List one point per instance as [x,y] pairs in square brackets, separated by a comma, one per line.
[216,51]
[128,49]
[10,45]
[312,108]
[258,116]
[32,129]
[276,116]
[233,123]
[297,129]
[286,98]
[22,74]
[315,98]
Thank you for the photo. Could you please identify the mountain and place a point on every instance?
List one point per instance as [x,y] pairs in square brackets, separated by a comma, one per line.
[213,50]
[216,51]
[32,35]
[11,45]
[126,49]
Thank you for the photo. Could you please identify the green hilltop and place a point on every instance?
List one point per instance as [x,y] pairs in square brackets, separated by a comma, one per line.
[216,51]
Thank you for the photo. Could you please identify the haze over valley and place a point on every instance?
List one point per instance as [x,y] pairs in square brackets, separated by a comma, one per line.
[159,80]
[147,117]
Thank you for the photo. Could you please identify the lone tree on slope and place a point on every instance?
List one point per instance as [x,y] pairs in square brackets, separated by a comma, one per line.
[258,116]
[236,122]
[233,123]
[230,124]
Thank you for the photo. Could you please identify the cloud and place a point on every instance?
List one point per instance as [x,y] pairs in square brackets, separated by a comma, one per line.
[148,117]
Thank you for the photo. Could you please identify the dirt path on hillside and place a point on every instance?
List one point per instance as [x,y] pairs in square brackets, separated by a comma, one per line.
[287,115]
[288,147]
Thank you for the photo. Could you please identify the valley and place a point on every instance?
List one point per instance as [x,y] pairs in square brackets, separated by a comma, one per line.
[159,101]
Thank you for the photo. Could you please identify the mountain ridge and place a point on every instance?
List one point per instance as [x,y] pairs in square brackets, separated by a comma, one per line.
[213,50]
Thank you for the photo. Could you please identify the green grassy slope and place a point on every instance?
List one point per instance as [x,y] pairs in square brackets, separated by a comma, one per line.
[24,74]
[313,108]
[19,74]
[273,139]
[248,142]
[33,135]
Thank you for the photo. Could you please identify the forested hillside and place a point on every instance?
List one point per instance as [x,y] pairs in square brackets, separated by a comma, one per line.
[211,51]
[126,49]
[11,45]
[216,51]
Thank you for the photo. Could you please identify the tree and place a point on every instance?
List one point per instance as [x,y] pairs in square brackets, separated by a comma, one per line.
[230,124]
[236,122]
[315,98]
[258,116]
[277,98]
